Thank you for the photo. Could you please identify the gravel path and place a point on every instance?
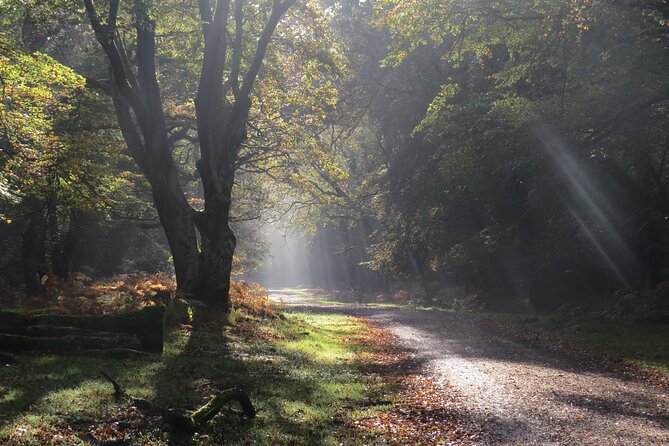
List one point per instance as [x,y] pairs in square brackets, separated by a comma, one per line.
[529,396]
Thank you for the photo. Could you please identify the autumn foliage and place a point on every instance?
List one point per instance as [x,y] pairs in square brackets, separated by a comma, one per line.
[251,297]
[424,412]
[80,294]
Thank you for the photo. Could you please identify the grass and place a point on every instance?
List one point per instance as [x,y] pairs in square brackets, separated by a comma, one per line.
[303,373]
[643,344]
[320,297]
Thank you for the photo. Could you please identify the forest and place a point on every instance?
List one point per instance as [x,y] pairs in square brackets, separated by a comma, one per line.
[334,222]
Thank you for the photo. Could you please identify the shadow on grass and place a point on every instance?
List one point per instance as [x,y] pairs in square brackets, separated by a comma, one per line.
[50,385]
[305,394]
[294,394]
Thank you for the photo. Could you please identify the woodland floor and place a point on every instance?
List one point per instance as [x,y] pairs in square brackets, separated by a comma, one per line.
[337,374]
[522,393]
[316,378]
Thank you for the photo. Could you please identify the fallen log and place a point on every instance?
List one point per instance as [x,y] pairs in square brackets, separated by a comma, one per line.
[49,331]
[13,323]
[65,344]
[147,324]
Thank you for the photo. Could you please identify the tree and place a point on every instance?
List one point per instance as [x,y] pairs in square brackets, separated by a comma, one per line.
[222,106]
[59,161]
[520,145]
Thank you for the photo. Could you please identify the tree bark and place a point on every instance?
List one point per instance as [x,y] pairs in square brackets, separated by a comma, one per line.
[217,242]
[63,252]
[202,271]
[32,253]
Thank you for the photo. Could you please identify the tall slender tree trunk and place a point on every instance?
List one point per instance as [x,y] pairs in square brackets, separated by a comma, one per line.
[63,251]
[32,253]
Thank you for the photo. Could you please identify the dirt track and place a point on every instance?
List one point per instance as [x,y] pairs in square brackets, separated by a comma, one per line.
[527,395]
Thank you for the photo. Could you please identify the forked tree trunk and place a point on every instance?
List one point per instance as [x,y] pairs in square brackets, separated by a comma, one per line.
[217,239]
[203,272]
[217,248]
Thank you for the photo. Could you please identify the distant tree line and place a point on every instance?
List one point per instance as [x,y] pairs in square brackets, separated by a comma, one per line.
[515,148]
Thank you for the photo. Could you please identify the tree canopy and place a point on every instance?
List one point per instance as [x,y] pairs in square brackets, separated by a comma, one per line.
[507,146]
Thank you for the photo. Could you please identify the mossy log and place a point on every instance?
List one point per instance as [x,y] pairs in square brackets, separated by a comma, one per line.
[65,344]
[13,323]
[147,324]
[194,421]
[191,423]
[214,406]
[49,331]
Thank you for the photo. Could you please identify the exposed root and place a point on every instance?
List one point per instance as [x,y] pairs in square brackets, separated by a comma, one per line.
[182,421]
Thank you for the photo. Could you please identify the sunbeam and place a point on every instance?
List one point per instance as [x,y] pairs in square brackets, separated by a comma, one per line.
[590,205]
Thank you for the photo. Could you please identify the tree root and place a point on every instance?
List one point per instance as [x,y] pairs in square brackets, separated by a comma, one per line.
[182,421]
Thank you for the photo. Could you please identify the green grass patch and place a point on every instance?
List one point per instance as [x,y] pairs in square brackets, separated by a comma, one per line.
[318,297]
[643,344]
[301,371]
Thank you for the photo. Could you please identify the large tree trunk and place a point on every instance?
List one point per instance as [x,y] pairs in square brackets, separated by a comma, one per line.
[221,127]
[217,242]
[178,220]
[63,252]
[217,239]
[176,216]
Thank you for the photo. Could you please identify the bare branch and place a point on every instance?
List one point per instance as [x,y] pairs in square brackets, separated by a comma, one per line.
[104,36]
[237,47]
[613,125]
[278,9]
[111,17]
[180,134]
[205,13]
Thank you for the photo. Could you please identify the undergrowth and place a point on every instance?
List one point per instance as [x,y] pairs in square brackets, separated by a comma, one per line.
[619,342]
[301,370]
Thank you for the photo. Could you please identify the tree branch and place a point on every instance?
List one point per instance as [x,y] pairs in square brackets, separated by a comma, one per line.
[104,35]
[205,13]
[180,134]
[613,125]
[278,9]
[113,13]
[237,47]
